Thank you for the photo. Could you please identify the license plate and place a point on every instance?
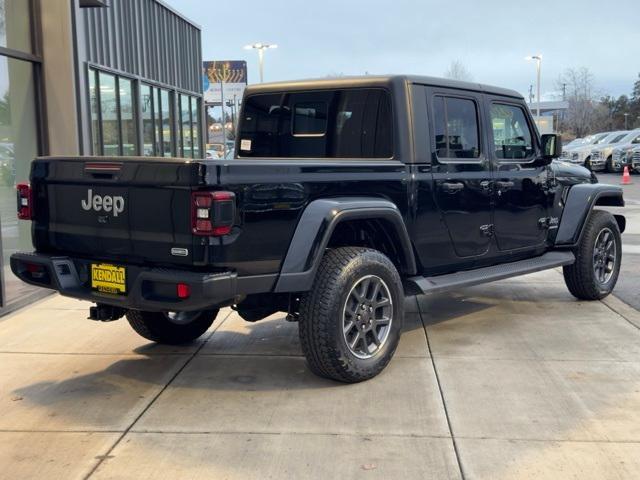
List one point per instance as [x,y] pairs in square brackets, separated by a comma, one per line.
[108,278]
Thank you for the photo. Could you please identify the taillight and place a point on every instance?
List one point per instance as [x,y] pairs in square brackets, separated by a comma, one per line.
[183,290]
[25,201]
[212,213]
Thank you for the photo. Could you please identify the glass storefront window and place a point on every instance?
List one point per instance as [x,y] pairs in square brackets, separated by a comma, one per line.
[185,116]
[158,122]
[167,122]
[146,92]
[95,125]
[127,117]
[109,111]
[195,125]
[15,33]
[167,128]
[18,146]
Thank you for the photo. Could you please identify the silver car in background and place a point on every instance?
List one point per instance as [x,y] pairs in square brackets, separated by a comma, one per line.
[621,155]
[634,156]
[580,153]
[601,154]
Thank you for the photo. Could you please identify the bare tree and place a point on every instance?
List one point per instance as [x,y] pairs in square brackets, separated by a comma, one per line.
[457,71]
[584,112]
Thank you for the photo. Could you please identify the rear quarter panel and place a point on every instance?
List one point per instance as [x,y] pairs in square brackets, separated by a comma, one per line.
[272,194]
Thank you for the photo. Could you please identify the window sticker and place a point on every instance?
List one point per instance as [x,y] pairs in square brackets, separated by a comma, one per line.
[245,145]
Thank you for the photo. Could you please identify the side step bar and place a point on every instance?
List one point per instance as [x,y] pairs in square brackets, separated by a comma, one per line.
[453,281]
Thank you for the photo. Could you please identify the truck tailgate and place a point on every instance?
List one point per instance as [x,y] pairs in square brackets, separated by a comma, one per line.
[128,210]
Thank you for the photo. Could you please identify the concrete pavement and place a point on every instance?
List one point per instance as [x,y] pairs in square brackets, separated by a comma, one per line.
[510,380]
[627,287]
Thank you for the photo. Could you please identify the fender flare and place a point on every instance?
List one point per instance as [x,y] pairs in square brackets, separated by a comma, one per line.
[578,206]
[314,230]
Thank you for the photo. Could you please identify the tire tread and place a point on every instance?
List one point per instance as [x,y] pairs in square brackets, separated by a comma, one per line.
[316,316]
[579,276]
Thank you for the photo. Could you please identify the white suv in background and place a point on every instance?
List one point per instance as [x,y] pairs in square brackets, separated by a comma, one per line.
[580,154]
[603,150]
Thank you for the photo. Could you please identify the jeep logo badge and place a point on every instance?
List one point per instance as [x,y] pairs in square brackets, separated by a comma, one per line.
[106,203]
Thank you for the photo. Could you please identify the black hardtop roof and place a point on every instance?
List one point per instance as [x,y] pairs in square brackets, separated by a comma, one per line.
[377,81]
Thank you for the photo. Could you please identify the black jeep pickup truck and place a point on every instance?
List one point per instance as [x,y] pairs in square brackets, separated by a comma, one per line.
[345,195]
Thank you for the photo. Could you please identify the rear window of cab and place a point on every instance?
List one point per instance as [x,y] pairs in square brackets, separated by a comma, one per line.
[344,123]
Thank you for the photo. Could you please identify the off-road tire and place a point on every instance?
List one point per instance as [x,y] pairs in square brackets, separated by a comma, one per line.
[580,277]
[322,310]
[157,327]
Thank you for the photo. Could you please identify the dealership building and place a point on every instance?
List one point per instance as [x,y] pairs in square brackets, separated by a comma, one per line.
[90,77]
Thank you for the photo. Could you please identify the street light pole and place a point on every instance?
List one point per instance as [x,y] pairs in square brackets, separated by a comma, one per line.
[626,115]
[261,47]
[538,59]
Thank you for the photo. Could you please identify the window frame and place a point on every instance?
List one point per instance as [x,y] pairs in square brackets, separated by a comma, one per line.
[532,131]
[432,123]
[137,83]
[134,113]
[117,100]
[283,94]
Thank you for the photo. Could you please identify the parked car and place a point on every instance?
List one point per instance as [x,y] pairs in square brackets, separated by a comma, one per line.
[581,154]
[619,157]
[573,144]
[380,186]
[634,155]
[601,155]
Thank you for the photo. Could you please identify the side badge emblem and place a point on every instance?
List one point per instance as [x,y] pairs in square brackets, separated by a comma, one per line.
[180,252]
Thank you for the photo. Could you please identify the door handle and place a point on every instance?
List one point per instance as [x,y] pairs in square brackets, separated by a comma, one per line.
[504,184]
[452,187]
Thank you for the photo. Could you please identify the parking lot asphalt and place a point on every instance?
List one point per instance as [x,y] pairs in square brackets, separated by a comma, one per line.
[509,380]
[627,288]
[514,379]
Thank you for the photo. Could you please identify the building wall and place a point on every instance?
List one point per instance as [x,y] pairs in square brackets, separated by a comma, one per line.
[59,78]
[144,40]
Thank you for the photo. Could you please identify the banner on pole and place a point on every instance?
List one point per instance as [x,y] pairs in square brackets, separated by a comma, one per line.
[224,78]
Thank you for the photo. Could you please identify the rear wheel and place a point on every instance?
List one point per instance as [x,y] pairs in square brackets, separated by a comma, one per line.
[350,322]
[171,328]
[595,271]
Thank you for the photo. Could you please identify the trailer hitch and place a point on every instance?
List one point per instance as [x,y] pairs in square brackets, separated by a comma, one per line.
[106,313]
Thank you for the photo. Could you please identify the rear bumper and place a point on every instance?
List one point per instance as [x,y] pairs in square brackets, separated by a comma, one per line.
[151,289]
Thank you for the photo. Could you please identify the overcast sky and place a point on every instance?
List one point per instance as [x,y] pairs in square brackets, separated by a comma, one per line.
[491,38]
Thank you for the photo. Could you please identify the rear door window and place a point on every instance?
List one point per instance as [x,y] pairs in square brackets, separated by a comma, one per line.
[347,123]
[456,128]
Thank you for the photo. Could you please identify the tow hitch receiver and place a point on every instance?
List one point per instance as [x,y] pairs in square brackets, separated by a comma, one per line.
[106,313]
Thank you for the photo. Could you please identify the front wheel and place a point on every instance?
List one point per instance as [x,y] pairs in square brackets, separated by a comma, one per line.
[350,322]
[598,255]
[611,168]
[171,328]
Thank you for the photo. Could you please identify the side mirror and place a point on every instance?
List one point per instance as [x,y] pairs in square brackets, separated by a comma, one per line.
[551,146]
